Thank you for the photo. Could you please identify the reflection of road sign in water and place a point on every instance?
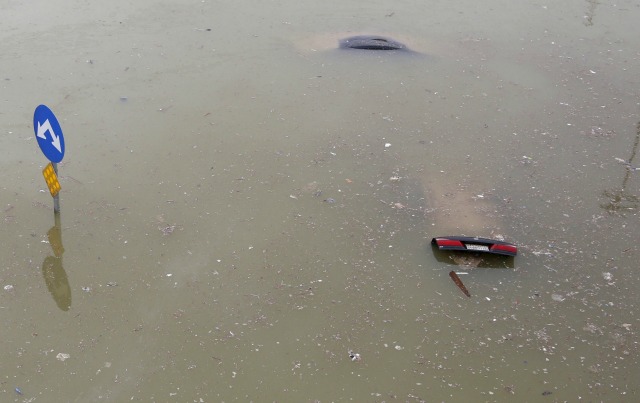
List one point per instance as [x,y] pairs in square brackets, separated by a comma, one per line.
[57,282]
[48,133]
[52,179]
[55,238]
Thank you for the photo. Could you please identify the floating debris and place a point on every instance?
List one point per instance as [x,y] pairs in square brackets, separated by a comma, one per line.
[593,329]
[557,297]
[167,229]
[62,356]
[18,390]
[627,164]
[596,131]
[525,160]
[354,356]
[8,287]
[458,282]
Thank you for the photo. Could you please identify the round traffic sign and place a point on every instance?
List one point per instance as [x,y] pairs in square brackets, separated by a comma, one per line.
[48,133]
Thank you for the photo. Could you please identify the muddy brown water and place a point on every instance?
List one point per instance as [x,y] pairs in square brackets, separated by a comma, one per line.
[243,204]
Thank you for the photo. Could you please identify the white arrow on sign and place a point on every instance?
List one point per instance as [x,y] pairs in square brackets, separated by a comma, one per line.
[42,129]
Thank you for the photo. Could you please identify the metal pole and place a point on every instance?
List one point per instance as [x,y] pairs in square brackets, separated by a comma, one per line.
[56,198]
[56,222]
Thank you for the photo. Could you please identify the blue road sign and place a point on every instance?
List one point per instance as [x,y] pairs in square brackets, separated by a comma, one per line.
[48,133]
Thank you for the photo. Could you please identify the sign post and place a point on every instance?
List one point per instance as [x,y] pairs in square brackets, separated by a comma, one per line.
[51,141]
[56,198]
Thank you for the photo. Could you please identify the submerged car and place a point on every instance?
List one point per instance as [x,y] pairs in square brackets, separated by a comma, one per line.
[475,244]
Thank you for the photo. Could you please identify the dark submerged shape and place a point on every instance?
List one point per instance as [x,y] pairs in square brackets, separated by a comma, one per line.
[371,42]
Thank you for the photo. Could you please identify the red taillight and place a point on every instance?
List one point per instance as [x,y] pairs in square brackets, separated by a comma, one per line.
[510,249]
[449,243]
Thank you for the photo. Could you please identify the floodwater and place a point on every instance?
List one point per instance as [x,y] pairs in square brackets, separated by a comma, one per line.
[243,204]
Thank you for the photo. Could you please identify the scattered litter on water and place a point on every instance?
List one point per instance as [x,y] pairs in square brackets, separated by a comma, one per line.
[525,160]
[62,356]
[168,229]
[8,287]
[354,356]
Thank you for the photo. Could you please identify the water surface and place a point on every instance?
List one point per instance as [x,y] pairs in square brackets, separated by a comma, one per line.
[243,203]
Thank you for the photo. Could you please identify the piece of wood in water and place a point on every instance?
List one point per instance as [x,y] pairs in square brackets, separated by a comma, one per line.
[458,282]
